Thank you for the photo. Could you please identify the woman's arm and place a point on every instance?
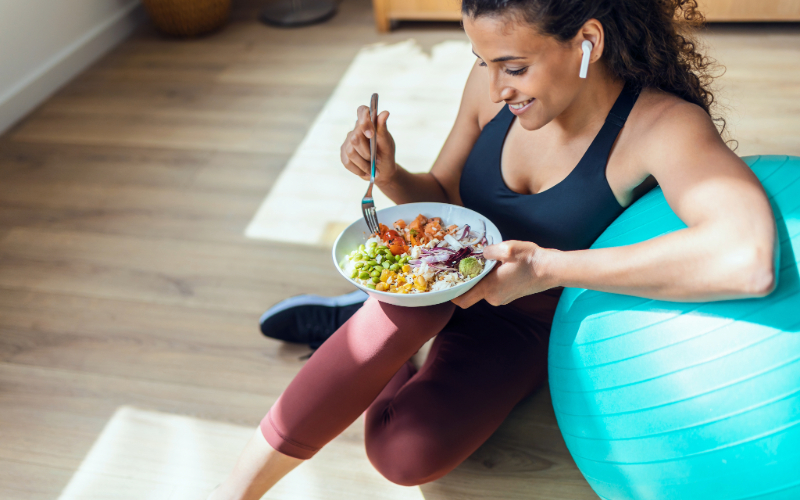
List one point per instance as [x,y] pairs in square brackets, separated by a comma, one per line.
[402,186]
[728,250]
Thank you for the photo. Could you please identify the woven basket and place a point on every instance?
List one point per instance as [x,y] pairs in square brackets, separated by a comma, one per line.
[188,17]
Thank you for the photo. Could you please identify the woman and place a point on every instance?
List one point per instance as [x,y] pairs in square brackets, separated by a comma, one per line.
[552,159]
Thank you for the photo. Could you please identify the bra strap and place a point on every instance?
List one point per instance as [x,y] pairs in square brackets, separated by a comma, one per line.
[622,107]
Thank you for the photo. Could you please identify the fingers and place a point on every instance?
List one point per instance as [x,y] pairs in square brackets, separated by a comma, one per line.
[472,297]
[353,162]
[383,131]
[360,147]
[364,122]
[500,251]
[355,151]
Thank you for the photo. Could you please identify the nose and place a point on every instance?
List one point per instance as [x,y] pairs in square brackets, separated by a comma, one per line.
[498,90]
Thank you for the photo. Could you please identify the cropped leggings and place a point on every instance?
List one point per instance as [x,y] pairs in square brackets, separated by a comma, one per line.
[419,425]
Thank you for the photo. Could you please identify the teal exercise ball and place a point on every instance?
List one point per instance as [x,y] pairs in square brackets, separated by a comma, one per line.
[686,401]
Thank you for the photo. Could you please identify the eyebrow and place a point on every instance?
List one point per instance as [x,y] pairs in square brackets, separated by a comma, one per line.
[500,59]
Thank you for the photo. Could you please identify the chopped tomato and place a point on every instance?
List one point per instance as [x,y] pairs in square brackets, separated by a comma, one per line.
[397,246]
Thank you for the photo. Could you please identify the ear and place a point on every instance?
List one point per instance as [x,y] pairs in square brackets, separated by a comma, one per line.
[591,30]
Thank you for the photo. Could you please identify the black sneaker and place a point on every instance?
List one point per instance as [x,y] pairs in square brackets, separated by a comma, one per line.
[310,319]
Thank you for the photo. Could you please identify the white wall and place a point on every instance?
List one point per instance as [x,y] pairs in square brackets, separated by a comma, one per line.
[44,43]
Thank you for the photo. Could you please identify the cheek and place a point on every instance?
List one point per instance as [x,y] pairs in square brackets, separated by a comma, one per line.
[536,117]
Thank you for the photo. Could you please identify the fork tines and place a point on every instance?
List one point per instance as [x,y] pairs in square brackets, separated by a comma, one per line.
[368,208]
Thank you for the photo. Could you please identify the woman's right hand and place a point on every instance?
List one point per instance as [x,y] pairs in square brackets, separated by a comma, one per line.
[355,149]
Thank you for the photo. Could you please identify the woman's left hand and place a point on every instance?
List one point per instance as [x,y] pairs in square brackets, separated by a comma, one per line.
[518,273]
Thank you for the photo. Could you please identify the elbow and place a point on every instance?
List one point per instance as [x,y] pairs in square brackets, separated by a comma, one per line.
[760,274]
[762,282]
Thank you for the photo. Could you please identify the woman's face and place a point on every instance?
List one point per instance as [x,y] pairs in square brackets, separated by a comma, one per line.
[535,74]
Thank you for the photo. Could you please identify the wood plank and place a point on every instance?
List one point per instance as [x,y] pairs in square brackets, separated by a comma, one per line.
[138,340]
[211,275]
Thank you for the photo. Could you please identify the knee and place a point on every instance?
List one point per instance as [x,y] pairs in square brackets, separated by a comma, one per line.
[407,462]
[424,322]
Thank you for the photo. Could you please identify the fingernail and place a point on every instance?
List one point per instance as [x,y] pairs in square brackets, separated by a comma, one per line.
[368,134]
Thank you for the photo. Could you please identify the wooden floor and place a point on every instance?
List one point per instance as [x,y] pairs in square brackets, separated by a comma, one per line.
[125,278]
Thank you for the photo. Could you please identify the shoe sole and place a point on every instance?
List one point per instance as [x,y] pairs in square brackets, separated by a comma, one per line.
[314,300]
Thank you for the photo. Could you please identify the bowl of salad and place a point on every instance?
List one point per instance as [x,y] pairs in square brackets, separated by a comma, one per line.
[424,254]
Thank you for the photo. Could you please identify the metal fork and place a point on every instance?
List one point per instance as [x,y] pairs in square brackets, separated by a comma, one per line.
[367,204]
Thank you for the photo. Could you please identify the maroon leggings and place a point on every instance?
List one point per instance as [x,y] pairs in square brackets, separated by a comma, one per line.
[419,425]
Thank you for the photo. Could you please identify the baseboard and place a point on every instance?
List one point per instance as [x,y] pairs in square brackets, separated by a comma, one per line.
[66,64]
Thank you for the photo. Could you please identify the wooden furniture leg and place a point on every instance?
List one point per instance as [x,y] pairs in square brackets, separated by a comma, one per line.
[382,21]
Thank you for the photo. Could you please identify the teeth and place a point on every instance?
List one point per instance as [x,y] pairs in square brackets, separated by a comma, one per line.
[520,105]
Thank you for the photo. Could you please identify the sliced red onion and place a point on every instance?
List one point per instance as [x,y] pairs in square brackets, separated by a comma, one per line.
[430,259]
[463,232]
[453,242]
[414,262]
[456,257]
[429,251]
[481,236]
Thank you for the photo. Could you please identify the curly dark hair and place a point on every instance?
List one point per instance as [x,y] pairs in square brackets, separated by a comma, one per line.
[648,43]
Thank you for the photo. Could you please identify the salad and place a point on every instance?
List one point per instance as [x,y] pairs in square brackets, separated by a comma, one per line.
[422,256]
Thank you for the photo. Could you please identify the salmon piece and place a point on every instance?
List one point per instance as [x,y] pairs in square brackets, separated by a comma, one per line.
[433,227]
[418,223]
[400,223]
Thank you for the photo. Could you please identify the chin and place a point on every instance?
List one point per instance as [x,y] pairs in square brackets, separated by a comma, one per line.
[532,122]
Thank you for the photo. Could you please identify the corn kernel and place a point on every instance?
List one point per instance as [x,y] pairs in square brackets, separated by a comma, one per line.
[381,287]
[406,268]
[385,275]
[420,283]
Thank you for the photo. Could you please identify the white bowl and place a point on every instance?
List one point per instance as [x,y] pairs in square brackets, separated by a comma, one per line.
[357,233]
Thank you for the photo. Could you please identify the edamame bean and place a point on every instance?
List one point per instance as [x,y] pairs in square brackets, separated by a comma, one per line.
[371,244]
[376,280]
[371,254]
[371,286]
[359,265]
[362,248]
[391,258]
[375,274]
[354,274]
[394,267]
[364,275]
[371,263]
[386,264]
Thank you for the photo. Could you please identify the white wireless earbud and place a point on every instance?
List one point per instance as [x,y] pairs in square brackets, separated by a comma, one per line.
[586,47]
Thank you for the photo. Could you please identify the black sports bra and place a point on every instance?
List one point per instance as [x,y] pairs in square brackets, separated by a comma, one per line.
[568,216]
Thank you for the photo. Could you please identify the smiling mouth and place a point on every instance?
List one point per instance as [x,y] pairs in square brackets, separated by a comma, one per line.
[520,105]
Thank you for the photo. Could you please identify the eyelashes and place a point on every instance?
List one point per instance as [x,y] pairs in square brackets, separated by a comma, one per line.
[512,72]
[516,72]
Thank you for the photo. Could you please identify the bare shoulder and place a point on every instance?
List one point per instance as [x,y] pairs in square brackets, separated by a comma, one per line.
[666,124]
[476,93]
